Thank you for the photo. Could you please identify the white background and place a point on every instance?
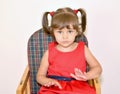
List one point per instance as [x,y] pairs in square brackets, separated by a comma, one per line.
[21,18]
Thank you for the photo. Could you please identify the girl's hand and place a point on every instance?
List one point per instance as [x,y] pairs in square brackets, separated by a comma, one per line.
[51,82]
[79,75]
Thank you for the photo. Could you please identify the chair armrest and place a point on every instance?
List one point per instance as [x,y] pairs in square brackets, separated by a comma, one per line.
[97,86]
[24,85]
[95,83]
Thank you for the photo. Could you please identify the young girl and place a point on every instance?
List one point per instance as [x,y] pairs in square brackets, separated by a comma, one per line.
[63,66]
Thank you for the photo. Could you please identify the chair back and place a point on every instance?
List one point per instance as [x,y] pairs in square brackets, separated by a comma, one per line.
[37,44]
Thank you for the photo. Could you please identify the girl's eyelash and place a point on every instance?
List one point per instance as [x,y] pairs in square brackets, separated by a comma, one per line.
[59,31]
[70,31]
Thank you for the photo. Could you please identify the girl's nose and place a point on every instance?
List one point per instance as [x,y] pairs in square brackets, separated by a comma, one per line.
[65,35]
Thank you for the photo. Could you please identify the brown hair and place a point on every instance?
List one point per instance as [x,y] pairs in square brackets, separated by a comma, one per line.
[63,17]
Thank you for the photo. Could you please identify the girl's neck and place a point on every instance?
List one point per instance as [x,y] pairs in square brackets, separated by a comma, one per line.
[70,48]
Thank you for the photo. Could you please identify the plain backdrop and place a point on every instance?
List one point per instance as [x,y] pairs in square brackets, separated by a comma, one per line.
[21,18]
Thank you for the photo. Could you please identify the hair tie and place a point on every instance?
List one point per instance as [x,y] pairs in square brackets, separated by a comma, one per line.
[75,11]
[51,13]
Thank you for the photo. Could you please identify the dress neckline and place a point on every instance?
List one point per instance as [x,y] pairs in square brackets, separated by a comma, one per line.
[75,49]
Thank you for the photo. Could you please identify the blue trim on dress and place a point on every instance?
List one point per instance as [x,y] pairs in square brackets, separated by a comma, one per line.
[61,78]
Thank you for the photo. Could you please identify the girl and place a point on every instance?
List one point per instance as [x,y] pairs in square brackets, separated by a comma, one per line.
[63,65]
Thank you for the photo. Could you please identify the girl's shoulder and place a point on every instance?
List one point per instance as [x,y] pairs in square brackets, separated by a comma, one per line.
[81,43]
[52,44]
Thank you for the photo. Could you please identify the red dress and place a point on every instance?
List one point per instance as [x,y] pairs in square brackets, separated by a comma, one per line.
[63,64]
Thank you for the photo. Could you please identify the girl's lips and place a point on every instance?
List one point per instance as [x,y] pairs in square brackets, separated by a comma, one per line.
[65,41]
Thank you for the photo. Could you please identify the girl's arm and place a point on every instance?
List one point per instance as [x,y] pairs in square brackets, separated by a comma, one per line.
[94,65]
[94,71]
[42,72]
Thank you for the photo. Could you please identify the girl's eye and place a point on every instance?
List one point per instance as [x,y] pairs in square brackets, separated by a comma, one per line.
[59,32]
[70,31]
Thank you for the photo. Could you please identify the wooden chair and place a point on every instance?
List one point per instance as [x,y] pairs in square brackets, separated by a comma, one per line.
[37,44]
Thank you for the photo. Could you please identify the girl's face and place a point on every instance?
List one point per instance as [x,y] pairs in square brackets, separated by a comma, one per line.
[65,37]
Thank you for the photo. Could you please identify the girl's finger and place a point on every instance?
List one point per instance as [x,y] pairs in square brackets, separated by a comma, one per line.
[75,77]
[58,84]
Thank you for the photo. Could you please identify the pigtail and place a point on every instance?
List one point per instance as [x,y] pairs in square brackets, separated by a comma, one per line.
[83,19]
[45,23]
